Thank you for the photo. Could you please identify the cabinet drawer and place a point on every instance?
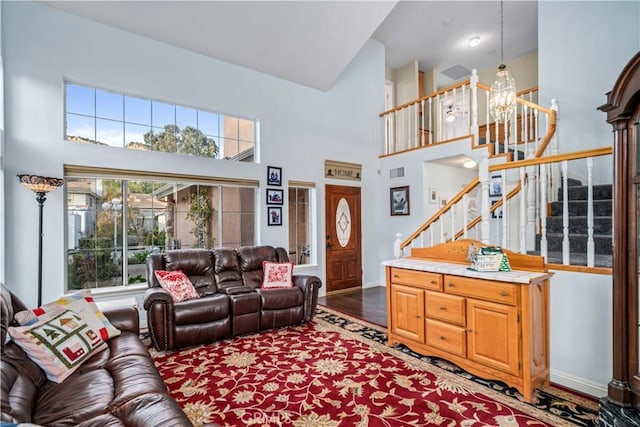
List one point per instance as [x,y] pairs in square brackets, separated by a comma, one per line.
[447,337]
[449,308]
[505,293]
[424,280]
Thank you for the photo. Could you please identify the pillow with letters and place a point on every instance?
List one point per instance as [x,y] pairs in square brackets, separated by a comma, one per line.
[59,342]
[277,275]
[177,284]
[82,304]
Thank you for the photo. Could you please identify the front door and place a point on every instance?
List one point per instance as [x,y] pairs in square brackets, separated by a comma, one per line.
[343,244]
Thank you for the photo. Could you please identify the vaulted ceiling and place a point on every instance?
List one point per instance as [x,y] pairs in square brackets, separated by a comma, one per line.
[312,42]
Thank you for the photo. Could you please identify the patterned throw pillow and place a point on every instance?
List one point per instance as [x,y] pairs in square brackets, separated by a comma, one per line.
[277,275]
[82,304]
[177,284]
[59,342]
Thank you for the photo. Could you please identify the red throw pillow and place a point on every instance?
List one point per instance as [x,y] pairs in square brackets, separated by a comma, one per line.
[277,275]
[177,284]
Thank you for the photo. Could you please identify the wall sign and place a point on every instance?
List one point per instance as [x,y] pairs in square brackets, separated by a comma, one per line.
[342,170]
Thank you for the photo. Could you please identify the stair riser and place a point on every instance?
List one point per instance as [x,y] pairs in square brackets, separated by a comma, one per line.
[578,225]
[600,192]
[579,208]
[602,245]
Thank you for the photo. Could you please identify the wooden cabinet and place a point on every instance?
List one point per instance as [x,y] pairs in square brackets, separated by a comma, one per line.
[495,328]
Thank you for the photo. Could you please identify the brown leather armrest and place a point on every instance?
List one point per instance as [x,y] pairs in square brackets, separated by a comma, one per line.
[305,280]
[156,295]
[124,318]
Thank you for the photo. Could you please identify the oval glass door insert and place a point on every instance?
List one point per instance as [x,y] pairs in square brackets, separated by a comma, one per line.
[343,222]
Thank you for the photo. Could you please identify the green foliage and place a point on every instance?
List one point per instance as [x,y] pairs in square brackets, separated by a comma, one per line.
[201,212]
[157,238]
[88,267]
[188,141]
[137,279]
[138,257]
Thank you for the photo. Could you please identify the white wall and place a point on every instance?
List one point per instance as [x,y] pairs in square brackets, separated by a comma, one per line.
[582,47]
[300,127]
[406,82]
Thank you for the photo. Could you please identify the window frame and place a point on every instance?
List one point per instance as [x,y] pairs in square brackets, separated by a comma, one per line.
[311,222]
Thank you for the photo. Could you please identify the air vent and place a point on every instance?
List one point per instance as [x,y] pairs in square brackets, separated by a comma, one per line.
[396,173]
[456,72]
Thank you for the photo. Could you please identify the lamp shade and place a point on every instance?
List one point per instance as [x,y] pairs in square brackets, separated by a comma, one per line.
[502,95]
[40,184]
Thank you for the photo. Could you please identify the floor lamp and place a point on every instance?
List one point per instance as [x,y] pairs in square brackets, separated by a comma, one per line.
[40,185]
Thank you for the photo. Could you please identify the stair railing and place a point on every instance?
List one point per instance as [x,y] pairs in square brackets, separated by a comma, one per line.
[531,200]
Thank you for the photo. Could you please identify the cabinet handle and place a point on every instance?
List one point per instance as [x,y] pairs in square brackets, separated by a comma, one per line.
[395,276]
[469,330]
[451,285]
[433,282]
[442,337]
[504,293]
[417,316]
[443,308]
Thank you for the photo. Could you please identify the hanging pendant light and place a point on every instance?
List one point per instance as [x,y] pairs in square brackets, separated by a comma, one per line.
[503,90]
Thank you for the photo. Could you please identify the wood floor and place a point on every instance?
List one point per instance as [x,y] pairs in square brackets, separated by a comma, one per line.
[369,304]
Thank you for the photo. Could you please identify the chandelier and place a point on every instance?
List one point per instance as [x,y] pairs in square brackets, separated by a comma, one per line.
[503,90]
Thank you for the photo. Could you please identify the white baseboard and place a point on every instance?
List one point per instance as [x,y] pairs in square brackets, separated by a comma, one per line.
[578,384]
[373,285]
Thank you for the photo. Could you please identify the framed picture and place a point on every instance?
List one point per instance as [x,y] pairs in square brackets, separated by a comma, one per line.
[433,195]
[399,200]
[443,202]
[275,196]
[495,186]
[274,175]
[274,215]
[498,212]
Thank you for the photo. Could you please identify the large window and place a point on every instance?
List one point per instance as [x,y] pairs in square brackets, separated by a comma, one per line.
[301,197]
[113,223]
[98,116]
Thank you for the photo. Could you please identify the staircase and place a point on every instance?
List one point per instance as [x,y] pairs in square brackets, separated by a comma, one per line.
[578,228]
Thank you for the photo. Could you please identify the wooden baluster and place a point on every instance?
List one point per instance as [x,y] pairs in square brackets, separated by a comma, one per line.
[423,141]
[465,215]
[397,251]
[474,106]
[531,205]
[590,242]
[566,248]
[488,121]
[483,171]
[416,124]
[430,121]
[431,234]
[543,210]
[439,118]
[452,217]
[523,199]
[505,213]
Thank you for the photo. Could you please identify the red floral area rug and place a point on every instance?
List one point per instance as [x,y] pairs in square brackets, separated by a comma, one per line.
[320,374]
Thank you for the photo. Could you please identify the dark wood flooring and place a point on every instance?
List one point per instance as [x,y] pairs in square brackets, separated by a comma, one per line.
[369,304]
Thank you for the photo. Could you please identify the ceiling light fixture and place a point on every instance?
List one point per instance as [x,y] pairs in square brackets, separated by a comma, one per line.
[503,89]
[450,114]
[469,164]
[474,41]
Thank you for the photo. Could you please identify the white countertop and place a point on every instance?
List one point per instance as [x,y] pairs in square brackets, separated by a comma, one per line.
[513,276]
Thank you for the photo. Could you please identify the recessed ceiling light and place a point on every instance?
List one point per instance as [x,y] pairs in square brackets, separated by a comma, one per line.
[469,164]
[474,41]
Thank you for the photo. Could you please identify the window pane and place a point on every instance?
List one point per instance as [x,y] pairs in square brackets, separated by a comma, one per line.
[109,105]
[247,130]
[80,128]
[162,114]
[163,139]
[137,110]
[193,142]
[134,136]
[299,225]
[230,126]
[246,151]
[230,148]
[208,123]
[109,132]
[80,99]
[186,117]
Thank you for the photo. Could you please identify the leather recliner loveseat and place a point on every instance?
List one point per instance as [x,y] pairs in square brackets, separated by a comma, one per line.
[231,299]
[119,386]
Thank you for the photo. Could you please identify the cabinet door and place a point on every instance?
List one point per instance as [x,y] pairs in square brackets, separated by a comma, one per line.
[407,315]
[493,337]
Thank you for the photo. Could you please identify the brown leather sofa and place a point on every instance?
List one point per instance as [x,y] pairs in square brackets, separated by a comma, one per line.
[119,386]
[231,301]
